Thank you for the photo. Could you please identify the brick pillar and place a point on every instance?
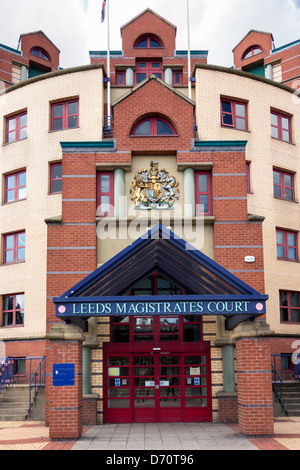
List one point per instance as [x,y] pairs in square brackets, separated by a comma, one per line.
[65,402]
[254,378]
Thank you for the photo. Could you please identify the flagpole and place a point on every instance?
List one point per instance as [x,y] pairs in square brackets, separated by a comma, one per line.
[108,69]
[189,49]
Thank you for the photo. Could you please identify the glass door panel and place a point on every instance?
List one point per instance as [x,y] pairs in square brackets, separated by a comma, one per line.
[170,396]
[118,388]
[196,386]
[144,388]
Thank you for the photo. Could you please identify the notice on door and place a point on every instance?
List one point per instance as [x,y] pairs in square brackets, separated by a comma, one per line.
[114,371]
[194,370]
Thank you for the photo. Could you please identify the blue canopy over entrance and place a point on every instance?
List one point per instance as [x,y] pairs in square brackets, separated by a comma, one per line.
[209,288]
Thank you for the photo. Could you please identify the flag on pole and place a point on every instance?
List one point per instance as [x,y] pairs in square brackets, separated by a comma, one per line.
[103,10]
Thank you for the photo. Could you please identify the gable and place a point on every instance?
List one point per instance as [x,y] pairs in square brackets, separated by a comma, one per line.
[210,289]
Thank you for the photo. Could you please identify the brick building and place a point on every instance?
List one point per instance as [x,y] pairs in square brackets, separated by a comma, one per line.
[138,248]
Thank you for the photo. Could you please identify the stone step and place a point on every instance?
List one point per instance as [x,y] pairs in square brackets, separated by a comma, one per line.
[13,404]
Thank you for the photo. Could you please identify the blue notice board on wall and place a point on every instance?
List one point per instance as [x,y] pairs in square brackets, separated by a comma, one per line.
[63,375]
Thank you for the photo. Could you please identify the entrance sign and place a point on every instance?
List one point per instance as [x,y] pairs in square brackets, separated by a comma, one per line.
[170,305]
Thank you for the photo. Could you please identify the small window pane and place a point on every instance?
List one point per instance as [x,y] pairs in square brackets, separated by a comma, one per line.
[274,119]
[73,107]
[154,43]
[142,43]
[9,302]
[241,124]
[285,136]
[10,196]
[143,129]
[12,124]
[291,239]
[57,111]
[294,299]
[163,128]
[203,201]
[227,119]
[57,171]
[292,253]
[203,183]
[289,194]
[276,177]
[10,182]
[23,120]
[277,191]
[23,133]
[226,107]
[22,179]
[72,121]
[11,137]
[240,110]
[285,123]
[295,315]
[9,242]
[57,124]
[274,132]
[105,183]
[140,77]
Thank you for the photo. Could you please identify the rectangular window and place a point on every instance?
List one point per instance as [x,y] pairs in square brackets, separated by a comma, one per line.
[14,247]
[248,183]
[105,194]
[177,77]
[16,128]
[120,78]
[203,193]
[55,178]
[281,127]
[15,187]
[147,68]
[283,184]
[64,115]
[234,114]
[13,310]
[287,245]
[289,306]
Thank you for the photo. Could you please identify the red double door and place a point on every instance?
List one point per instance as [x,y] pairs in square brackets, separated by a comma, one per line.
[157,387]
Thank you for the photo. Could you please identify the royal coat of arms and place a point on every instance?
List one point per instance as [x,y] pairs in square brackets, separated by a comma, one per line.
[154,189]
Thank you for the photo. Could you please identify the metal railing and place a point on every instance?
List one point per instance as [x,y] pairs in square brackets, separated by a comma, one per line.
[29,371]
[288,369]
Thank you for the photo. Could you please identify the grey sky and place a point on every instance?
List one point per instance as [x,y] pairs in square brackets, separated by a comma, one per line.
[215,25]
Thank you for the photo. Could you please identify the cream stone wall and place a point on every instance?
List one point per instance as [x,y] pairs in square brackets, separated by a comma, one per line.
[264,153]
[34,154]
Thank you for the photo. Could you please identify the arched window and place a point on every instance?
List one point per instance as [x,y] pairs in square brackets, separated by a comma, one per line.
[39,52]
[252,51]
[148,42]
[153,126]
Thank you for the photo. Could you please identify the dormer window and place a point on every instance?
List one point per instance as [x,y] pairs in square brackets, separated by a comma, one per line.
[153,126]
[41,53]
[252,51]
[148,42]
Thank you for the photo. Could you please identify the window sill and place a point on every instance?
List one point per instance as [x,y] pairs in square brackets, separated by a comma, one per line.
[14,142]
[52,131]
[285,200]
[12,202]
[289,260]
[234,128]
[284,141]
[13,263]
[12,326]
